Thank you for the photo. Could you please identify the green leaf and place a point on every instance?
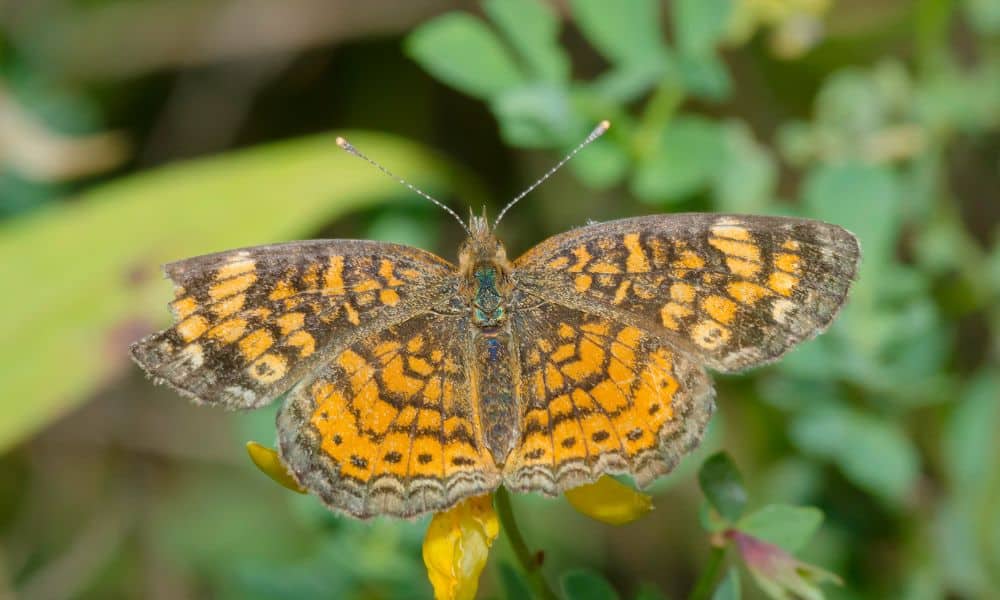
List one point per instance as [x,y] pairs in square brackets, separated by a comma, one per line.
[683,163]
[722,485]
[700,24]
[87,272]
[649,591]
[514,585]
[626,31]
[747,176]
[538,116]
[729,587]
[969,444]
[704,77]
[993,266]
[602,165]
[874,453]
[983,16]
[580,584]
[865,199]
[464,53]
[783,525]
[628,82]
[710,519]
[532,28]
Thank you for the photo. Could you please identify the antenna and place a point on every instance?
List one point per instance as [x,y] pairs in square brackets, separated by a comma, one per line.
[598,131]
[350,148]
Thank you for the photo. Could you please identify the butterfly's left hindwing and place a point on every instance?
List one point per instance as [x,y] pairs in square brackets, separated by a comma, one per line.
[388,425]
[252,322]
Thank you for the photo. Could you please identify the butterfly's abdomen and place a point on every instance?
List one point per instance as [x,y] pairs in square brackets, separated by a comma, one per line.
[498,407]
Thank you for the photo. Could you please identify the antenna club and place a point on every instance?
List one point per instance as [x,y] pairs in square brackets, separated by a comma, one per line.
[603,126]
[343,143]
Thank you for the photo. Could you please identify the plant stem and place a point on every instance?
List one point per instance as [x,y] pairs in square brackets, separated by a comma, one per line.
[703,588]
[501,500]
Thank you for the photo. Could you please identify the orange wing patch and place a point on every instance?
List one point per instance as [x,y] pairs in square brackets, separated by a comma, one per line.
[600,397]
[386,427]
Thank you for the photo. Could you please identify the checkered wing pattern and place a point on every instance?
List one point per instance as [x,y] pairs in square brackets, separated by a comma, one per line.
[599,396]
[731,291]
[252,322]
[388,426]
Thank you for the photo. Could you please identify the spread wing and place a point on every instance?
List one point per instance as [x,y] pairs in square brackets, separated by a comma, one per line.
[600,397]
[733,291]
[250,323]
[387,426]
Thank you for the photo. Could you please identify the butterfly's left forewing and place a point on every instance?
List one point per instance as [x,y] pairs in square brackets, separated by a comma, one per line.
[252,322]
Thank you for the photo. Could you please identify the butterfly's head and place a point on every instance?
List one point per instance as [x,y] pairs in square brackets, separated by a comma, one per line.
[482,247]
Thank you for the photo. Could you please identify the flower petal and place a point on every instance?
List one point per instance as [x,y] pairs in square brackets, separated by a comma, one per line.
[610,501]
[779,574]
[457,545]
[267,461]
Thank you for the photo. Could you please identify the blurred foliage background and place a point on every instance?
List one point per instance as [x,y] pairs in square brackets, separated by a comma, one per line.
[137,132]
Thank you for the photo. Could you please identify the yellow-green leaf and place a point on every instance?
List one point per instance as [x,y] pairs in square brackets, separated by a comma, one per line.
[82,280]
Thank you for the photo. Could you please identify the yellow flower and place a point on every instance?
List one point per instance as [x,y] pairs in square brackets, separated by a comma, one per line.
[457,545]
[267,460]
[609,501]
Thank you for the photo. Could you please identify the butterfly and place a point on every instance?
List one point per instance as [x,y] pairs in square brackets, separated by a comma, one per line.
[412,383]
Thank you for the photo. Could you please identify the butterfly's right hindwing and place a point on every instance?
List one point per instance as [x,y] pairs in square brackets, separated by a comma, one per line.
[252,322]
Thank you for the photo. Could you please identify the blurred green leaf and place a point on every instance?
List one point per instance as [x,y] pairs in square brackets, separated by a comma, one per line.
[648,591]
[203,521]
[683,162]
[700,24]
[514,585]
[747,175]
[861,198]
[970,445]
[993,267]
[626,31]
[704,76]
[983,15]
[729,587]
[602,165]
[628,82]
[532,28]
[722,485]
[97,286]
[969,518]
[874,453]
[783,525]
[581,584]
[463,52]
[537,116]
[411,230]
[961,99]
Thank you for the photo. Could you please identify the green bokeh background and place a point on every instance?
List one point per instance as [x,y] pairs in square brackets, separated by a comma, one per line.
[137,132]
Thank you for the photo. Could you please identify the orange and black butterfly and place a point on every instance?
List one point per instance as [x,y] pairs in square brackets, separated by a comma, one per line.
[413,383]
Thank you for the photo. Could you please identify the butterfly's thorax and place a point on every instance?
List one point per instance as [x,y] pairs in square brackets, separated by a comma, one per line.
[486,288]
